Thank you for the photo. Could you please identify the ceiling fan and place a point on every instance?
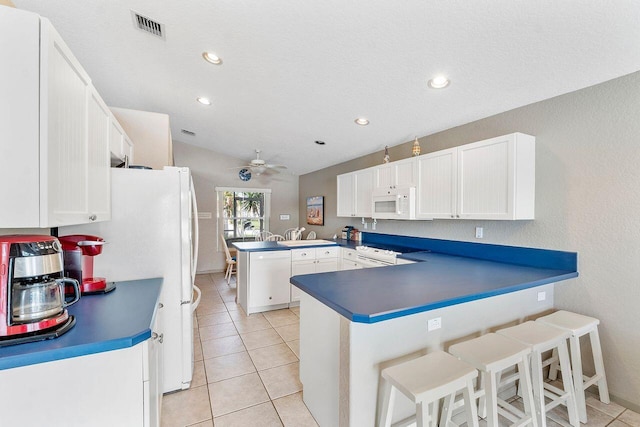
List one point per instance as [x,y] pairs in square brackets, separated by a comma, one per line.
[258,167]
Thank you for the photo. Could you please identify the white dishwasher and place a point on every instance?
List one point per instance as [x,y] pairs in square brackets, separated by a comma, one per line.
[269,274]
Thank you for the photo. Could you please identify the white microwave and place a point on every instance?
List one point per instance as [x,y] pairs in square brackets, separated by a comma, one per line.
[394,203]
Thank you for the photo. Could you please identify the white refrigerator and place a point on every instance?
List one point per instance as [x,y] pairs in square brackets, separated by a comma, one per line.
[153,232]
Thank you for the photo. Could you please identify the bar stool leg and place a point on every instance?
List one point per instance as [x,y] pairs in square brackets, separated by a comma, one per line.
[526,390]
[388,402]
[565,370]
[447,410]
[603,389]
[470,404]
[491,392]
[578,387]
[482,401]
[538,388]
[554,367]
[422,414]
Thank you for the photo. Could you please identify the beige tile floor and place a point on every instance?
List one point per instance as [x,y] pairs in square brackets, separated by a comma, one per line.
[246,371]
[246,368]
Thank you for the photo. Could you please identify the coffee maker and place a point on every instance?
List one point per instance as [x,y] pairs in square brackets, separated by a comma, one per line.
[32,294]
[79,251]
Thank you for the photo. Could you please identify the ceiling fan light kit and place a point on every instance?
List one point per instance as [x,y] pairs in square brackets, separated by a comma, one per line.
[258,167]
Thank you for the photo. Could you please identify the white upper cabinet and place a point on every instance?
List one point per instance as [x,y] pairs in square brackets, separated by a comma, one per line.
[120,145]
[490,179]
[151,134]
[55,157]
[436,192]
[99,172]
[354,193]
[402,173]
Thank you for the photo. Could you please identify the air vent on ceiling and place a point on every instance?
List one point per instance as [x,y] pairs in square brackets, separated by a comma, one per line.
[148,25]
[188,132]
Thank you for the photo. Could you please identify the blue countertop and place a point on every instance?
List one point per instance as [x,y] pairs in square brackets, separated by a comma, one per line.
[112,321]
[272,246]
[436,280]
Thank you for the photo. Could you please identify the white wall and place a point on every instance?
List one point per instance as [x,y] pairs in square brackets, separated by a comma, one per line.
[587,201]
[211,170]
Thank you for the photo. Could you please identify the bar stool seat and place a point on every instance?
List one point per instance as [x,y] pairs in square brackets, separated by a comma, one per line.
[542,338]
[491,354]
[425,381]
[580,325]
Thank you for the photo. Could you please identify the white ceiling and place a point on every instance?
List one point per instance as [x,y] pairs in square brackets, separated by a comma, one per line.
[299,70]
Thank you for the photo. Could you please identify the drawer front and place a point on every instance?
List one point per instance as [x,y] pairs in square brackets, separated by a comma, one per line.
[349,254]
[331,252]
[302,254]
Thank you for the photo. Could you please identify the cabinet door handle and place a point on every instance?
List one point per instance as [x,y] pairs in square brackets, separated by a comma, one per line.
[93,217]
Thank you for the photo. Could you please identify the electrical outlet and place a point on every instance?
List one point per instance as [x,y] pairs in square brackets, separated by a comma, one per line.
[542,295]
[433,324]
[479,232]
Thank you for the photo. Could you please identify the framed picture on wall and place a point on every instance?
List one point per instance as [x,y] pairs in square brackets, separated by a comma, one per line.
[315,210]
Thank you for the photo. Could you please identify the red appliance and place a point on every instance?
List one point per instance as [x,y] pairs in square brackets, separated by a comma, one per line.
[32,294]
[79,251]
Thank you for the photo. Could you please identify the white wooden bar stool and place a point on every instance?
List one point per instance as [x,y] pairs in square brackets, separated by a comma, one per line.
[543,338]
[425,381]
[580,325]
[491,354]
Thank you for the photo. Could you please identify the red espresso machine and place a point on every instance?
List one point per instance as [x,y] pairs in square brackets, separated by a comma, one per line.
[79,252]
[32,290]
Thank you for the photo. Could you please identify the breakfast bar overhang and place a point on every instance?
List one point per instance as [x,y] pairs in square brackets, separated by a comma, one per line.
[355,323]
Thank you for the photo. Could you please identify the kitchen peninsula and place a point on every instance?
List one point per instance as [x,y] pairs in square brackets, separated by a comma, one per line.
[355,323]
[264,270]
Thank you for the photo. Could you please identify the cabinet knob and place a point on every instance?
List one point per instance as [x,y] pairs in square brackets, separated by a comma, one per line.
[270,298]
[160,305]
[457,216]
[93,217]
[160,337]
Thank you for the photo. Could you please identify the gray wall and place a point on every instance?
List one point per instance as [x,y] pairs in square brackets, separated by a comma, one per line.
[587,201]
[210,170]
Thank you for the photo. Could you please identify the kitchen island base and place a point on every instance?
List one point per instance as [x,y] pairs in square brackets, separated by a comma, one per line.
[341,360]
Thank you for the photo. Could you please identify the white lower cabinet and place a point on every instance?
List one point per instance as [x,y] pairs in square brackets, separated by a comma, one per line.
[111,388]
[310,261]
[348,260]
[152,372]
[269,274]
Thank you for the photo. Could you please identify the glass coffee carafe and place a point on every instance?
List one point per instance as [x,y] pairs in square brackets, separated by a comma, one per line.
[35,300]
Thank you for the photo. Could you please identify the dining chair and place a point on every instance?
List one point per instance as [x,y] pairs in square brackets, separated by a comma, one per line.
[311,235]
[275,238]
[289,233]
[263,235]
[231,261]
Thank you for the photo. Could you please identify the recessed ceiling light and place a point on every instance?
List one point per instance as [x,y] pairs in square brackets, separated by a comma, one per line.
[361,121]
[212,58]
[320,142]
[203,101]
[438,82]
